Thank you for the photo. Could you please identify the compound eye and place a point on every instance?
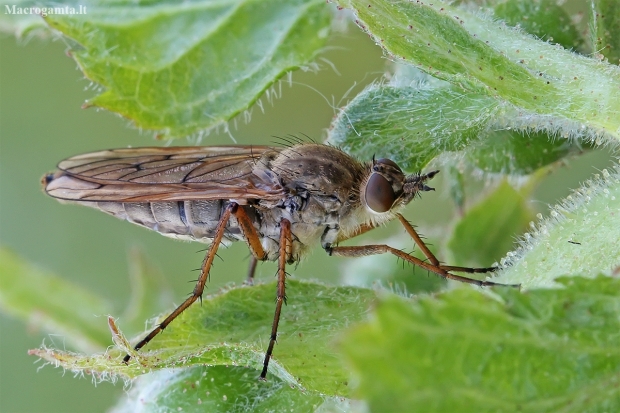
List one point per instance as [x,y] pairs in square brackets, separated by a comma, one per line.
[390,162]
[379,194]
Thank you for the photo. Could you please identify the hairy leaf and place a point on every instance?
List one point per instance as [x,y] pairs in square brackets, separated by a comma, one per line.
[220,389]
[579,237]
[488,230]
[233,328]
[462,351]
[545,19]
[414,124]
[525,80]
[180,68]
[605,21]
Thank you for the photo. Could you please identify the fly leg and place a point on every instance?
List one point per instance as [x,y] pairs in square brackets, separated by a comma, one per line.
[258,253]
[432,266]
[285,253]
[431,257]
[253,240]
[251,270]
[202,279]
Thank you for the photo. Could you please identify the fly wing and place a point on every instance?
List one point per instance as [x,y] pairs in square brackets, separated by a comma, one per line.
[165,174]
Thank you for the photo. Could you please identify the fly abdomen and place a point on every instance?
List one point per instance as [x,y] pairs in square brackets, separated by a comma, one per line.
[170,217]
[116,209]
[140,213]
[189,220]
[203,216]
[163,217]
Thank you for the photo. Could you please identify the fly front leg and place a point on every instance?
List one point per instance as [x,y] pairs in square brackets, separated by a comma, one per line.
[366,250]
[432,265]
[202,279]
[286,245]
[431,257]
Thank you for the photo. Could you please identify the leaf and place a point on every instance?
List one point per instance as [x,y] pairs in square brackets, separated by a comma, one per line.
[219,389]
[605,20]
[579,237]
[181,68]
[462,351]
[53,304]
[456,189]
[488,230]
[529,78]
[413,125]
[545,19]
[233,328]
[513,152]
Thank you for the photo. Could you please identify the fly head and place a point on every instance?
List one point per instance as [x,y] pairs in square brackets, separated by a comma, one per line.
[388,188]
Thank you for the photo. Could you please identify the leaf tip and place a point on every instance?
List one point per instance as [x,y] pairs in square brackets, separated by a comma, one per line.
[575,238]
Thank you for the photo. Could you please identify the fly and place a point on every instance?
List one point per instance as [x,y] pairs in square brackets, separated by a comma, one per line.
[281,201]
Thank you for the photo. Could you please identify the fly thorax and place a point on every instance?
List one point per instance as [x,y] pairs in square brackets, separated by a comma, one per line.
[313,170]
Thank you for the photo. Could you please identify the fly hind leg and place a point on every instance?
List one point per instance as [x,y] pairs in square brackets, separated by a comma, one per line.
[258,253]
[202,279]
[284,257]
[251,270]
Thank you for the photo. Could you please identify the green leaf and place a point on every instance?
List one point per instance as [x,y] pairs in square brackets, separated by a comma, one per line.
[413,125]
[181,68]
[488,230]
[544,19]
[233,328]
[528,78]
[53,304]
[462,351]
[220,389]
[579,237]
[605,19]
[513,152]
[456,181]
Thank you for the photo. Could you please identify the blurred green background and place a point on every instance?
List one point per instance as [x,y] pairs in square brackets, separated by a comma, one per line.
[41,122]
